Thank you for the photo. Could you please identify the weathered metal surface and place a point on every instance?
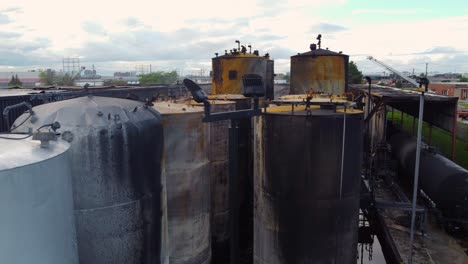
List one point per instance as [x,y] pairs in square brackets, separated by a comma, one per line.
[301,213]
[445,182]
[186,169]
[36,202]
[319,71]
[35,97]
[245,172]
[219,164]
[116,176]
[229,69]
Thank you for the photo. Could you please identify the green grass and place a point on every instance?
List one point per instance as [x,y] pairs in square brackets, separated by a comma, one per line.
[464,105]
[441,139]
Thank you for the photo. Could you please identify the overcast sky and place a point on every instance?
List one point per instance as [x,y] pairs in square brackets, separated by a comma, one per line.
[184,35]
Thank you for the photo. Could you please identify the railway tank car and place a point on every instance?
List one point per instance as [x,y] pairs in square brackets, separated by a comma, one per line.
[115,153]
[445,182]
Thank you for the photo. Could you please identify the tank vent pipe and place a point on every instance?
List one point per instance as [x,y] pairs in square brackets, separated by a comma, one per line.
[343,152]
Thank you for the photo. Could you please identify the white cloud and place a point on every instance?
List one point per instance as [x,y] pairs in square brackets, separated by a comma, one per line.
[188,33]
[387,11]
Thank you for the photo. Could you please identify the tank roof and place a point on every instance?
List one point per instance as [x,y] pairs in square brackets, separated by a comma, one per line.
[314,110]
[320,52]
[84,112]
[176,108]
[241,55]
[18,153]
[227,97]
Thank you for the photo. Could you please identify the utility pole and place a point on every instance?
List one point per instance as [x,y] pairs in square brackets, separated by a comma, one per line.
[94,77]
[425,82]
[426,69]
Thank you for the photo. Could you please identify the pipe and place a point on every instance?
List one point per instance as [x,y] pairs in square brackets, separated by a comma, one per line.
[10,107]
[233,192]
[454,135]
[416,176]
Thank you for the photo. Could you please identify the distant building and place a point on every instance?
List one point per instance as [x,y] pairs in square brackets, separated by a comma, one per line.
[125,74]
[458,89]
[28,79]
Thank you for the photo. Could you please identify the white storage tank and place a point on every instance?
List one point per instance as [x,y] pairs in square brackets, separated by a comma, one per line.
[36,203]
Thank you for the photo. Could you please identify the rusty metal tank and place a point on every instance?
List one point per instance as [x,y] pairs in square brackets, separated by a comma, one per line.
[307,172]
[219,176]
[36,202]
[116,149]
[229,68]
[319,70]
[186,170]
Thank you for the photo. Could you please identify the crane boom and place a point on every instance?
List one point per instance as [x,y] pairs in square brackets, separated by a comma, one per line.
[408,79]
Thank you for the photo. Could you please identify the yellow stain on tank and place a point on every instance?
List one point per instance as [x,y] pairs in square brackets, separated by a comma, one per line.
[229,69]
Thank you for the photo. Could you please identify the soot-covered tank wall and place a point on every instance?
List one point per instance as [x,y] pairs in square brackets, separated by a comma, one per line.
[306,199]
[116,175]
[186,170]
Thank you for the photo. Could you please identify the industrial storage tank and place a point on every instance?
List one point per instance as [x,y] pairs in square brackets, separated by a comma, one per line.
[444,181]
[319,70]
[307,176]
[229,68]
[36,204]
[186,170]
[219,176]
[116,176]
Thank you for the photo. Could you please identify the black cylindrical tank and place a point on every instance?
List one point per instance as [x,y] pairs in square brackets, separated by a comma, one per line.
[186,170]
[306,185]
[445,182]
[116,149]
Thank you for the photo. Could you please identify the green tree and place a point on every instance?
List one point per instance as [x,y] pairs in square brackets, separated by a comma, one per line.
[12,81]
[354,74]
[398,84]
[463,79]
[47,77]
[18,81]
[15,81]
[159,77]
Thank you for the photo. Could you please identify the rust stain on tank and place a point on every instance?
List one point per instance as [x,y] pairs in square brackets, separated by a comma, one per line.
[229,69]
[319,71]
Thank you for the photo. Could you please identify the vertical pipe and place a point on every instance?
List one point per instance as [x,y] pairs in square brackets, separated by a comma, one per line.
[343,152]
[393,113]
[430,134]
[454,134]
[233,192]
[416,176]
[401,121]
